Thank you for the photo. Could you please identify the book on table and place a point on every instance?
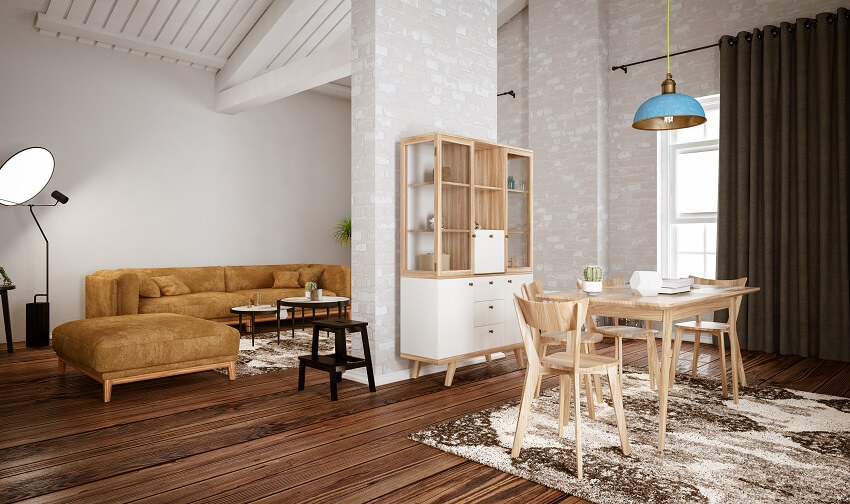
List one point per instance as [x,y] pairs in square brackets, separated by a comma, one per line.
[674,283]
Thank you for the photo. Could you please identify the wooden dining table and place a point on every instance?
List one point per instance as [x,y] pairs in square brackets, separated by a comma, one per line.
[619,301]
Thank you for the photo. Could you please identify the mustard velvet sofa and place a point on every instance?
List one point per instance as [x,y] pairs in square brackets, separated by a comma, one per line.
[214,289]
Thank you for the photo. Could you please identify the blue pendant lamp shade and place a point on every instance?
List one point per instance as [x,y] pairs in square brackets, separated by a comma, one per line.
[669,110]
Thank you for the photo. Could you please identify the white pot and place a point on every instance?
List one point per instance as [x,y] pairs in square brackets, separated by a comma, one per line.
[316,295]
[591,287]
[645,283]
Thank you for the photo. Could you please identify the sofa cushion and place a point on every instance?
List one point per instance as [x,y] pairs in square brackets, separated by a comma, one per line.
[170,285]
[239,278]
[310,275]
[285,280]
[198,279]
[107,344]
[205,305]
[147,287]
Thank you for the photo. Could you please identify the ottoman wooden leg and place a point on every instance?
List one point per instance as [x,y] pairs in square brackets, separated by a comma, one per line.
[107,391]
[61,366]
[231,370]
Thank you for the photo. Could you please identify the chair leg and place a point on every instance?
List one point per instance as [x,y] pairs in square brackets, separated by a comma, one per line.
[540,378]
[597,379]
[677,347]
[301,369]
[722,348]
[619,350]
[652,362]
[742,378]
[563,404]
[589,393]
[617,399]
[696,354]
[576,391]
[333,385]
[524,409]
[518,356]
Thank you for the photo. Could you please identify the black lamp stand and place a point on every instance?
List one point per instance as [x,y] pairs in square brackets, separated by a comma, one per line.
[38,314]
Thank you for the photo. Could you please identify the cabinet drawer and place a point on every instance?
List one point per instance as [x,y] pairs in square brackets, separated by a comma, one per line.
[488,288]
[489,312]
[489,336]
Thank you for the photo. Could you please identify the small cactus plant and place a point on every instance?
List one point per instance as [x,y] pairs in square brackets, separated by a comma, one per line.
[311,286]
[592,273]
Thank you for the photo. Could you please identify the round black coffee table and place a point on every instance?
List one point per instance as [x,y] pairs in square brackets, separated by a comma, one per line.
[327,302]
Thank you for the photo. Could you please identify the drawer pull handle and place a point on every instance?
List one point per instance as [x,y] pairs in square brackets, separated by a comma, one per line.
[470,284]
[491,236]
[491,307]
[490,282]
[490,331]
[510,281]
[473,235]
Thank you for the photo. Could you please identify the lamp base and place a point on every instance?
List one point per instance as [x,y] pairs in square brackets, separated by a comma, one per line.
[38,324]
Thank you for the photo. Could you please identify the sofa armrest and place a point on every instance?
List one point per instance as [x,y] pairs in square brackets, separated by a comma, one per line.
[338,279]
[112,294]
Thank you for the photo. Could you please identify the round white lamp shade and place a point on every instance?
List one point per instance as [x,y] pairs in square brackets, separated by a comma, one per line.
[645,283]
[24,175]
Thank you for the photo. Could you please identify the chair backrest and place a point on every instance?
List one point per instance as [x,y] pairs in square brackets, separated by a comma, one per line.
[536,318]
[736,282]
[532,290]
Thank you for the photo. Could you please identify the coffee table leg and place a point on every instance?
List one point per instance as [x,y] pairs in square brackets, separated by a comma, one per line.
[253,328]
[293,321]
[277,316]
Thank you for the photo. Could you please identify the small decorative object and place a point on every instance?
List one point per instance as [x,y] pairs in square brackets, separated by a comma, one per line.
[342,231]
[645,283]
[431,223]
[592,282]
[522,185]
[477,225]
[313,291]
[6,280]
[511,183]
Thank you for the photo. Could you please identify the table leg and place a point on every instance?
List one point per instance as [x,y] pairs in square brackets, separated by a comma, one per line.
[240,325]
[253,327]
[733,345]
[277,316]
[293,321]
[6,322]
[664,383]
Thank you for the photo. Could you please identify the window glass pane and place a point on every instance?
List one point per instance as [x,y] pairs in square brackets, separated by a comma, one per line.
[692,134]
[710,266]
[696,182]
[711,237]
[690,264]
[712,125]
[690,237]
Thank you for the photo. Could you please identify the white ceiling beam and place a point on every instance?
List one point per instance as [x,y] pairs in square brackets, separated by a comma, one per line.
[319,68]
[509,8]
[70,28]
[332,89]
[273,30]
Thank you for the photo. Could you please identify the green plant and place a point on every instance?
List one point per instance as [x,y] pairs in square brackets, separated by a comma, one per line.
[592,273]
[5,277]
[342,231]
[311,286]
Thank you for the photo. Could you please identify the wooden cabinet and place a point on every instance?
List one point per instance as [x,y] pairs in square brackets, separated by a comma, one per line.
[466,247]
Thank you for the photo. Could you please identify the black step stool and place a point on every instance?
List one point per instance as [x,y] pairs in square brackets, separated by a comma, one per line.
[338,361]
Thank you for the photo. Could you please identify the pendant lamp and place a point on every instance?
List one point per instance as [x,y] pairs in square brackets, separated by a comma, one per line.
[669,110]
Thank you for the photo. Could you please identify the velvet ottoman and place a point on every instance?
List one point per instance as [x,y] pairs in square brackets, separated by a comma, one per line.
[128,348]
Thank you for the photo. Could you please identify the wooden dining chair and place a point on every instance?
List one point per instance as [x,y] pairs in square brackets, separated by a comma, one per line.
[619,333]
[532,291]
[718,329]
[537,318]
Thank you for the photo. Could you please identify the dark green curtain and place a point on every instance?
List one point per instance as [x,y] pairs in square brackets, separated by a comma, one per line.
[783,209]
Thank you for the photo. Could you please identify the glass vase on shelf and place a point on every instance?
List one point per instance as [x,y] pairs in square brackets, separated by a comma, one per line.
[511,183]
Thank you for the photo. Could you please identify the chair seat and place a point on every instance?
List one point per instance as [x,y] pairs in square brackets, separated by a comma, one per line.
[588,363]
[703,325]
[627,332]
[586,337]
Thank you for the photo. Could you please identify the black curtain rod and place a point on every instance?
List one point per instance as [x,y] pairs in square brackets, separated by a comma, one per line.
[625,68]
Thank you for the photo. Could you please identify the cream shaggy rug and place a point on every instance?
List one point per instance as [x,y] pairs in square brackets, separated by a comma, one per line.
[776,445]
[266,355]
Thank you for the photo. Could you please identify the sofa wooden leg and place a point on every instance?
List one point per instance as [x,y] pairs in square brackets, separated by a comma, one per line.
[61,366]
[107,391]
[231,370]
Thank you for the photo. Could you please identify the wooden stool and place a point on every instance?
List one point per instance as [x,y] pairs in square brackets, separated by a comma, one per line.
[338,361]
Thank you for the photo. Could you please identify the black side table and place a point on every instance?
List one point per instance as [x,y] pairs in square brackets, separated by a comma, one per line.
[338,361]
[4,293]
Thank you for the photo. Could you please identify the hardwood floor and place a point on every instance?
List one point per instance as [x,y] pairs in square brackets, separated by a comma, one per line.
[201,438]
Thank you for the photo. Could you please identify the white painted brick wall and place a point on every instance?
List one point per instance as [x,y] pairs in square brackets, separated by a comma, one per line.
[417,66]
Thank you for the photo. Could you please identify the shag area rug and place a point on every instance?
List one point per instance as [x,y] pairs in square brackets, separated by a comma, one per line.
[266,355]
[776,445]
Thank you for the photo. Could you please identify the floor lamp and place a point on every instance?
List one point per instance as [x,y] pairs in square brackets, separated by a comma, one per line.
[22,177]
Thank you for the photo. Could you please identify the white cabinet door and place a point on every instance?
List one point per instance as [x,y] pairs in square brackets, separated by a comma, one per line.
[455,317]
[489,251]
[513,285]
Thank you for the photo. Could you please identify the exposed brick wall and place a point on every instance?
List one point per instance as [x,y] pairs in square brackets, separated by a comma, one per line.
[513,74]
[417,66]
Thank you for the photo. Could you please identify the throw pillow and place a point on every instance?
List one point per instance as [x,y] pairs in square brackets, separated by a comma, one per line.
[170,285]
[147,287]
[309,275]
[285,280]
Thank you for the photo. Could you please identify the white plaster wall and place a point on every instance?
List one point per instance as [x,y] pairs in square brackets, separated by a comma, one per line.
[417,67]
[154,176]
[513,74]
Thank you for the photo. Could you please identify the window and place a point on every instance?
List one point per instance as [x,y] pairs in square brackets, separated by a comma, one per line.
[687,195]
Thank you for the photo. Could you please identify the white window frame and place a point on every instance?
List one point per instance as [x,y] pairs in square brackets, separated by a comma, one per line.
[668,214]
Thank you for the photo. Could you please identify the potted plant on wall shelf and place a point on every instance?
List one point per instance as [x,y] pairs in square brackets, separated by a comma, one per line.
[313,291]
[592,282]
[342,231]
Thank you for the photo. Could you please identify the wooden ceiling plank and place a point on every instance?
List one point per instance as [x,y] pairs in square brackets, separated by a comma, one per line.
[230,22]
[100,12]
[249,19]
[124,42]
[139,17]
[157,19]
[59,8]
[210,25]
[331,23]
[79,12]
[175,21]
[193,23]
[278,24]
[321,67]
[304,32]
[341,29]
[119,16]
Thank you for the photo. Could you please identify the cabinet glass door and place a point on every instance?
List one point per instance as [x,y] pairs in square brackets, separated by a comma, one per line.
[418,211]
[455,194]
[519,226]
